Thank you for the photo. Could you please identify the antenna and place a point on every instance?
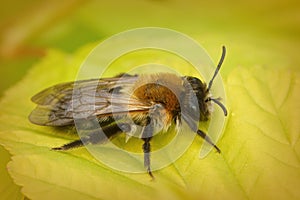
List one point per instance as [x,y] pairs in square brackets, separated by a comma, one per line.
[218,67]
[220,104]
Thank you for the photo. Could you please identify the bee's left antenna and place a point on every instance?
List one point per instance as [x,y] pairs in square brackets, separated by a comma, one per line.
[218,67]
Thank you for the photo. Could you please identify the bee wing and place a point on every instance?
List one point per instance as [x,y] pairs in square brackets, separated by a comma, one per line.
[58,104]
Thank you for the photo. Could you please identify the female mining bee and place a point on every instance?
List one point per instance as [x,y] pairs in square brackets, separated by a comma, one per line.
[124,101]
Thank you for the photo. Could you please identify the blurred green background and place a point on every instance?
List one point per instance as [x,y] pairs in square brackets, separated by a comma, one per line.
[264,33]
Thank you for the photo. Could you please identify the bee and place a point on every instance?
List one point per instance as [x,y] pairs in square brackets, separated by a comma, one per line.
[124,101]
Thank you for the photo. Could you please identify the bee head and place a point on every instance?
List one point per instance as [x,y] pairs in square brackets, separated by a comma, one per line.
[195,99]
[198,99]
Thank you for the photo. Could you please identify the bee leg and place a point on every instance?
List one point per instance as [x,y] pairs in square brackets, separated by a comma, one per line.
[96,137]
[146,136]
[146,149]
[71,145]
[207,139]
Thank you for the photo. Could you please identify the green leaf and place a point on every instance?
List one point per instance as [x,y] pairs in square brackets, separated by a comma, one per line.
[262,135]
[8,189]
[260,145]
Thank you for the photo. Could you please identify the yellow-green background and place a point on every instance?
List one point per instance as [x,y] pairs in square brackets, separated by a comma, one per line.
[256,33]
